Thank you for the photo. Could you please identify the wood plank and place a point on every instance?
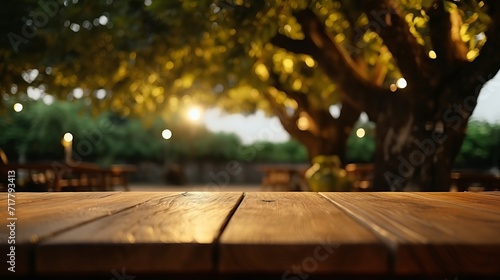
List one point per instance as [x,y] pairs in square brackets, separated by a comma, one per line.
[62,211]
[478,201]
[427,236]
[496,193]
[167,234]
[26,195]
[274,232]
[22,250]
[40,216]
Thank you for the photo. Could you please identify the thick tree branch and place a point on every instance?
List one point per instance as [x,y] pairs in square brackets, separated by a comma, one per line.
[473,75]
[292,45]
[488,61]
[387,21]
[349,115]
[289,123]
[326,135]
[445,35]
[319,122]
[319,38]
[461,87]
[299,97]
[340,68]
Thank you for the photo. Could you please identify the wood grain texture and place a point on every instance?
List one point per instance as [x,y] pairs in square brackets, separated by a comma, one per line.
[32,202]
[427,236]
[41,216]
[277,232]
[496,193]
[61,211]
[166,234]
[477,201]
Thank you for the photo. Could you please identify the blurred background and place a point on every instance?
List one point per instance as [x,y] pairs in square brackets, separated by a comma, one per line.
[186,91]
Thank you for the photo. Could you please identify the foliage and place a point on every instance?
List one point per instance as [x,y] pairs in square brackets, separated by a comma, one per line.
[291,58]
[481,147]
[285,152]
[36,132]
[361,149]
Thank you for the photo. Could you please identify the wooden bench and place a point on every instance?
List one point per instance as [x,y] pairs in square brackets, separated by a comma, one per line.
[266,235]
[283,177]
[461,180]
[78,176]
[361,174]
[119,174]
[473,180]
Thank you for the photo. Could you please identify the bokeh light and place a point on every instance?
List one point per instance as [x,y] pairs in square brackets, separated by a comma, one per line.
[18,107]
[166,134]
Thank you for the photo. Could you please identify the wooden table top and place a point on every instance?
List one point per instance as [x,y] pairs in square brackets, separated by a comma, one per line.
[285,235]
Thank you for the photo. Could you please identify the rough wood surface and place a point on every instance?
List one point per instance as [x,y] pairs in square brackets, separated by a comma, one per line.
[62,211]
[496,193]
[476,201]
[41,215]
[170,233]
[426,235]
[287,235]
[275,232]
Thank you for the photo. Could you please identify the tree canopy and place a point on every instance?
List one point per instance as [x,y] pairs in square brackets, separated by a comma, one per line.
[414,66]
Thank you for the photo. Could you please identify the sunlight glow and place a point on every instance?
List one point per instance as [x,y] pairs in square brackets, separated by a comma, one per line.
[78,93]
[48,99]
[100,93]
[194,114]
[432,54]
[335,110]
[360,133]
[393,87]
[166,134]
[303,123]
[18,107]
[103,20]
[261,71]
[401,83]
[288,65]
[68,137]
[309,61]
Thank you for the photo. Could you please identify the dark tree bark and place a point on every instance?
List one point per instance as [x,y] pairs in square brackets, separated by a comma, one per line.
[418,140]
[327,135]
[419,130]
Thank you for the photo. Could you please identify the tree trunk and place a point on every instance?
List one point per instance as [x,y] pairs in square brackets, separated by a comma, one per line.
[414,155]
[327,146]
[419,129]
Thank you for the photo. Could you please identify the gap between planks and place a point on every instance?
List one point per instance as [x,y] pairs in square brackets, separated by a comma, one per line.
[453,236]
[380,233]
[216,243]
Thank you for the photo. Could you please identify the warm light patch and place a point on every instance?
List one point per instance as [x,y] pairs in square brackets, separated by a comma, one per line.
[297,84]
[472,54]
[68,137]
[261,71]
[309,61]
[18,107]
[393,87]
[288,65]
[303,123]
[401,83]
[166,134]
[432,54]
[194,114]
[360,132]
